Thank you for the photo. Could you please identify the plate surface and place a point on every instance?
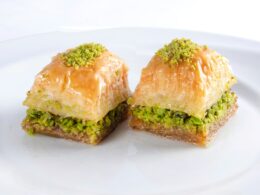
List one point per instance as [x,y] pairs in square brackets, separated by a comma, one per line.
[127,162]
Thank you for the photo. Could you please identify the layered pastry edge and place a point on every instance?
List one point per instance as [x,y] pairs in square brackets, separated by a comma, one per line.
[184,93]
[81,95]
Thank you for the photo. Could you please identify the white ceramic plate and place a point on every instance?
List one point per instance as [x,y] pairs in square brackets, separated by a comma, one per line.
[127,162]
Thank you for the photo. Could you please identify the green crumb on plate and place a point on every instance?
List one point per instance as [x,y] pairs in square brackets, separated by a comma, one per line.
[30,131]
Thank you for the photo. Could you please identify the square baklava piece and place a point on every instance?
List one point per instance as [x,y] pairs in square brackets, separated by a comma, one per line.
[81,95]
[184,93]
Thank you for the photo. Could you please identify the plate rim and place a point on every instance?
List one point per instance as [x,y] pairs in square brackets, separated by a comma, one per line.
[127,28]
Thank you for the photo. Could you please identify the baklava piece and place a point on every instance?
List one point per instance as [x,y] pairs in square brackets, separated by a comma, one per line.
[81,95]
[184,93]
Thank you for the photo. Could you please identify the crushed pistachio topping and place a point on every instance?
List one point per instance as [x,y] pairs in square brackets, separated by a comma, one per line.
[93,129]
[170,118]
[178,51]
[83,55]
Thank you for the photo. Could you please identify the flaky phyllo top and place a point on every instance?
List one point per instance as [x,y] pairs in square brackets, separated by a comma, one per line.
[184,76]
[85,82]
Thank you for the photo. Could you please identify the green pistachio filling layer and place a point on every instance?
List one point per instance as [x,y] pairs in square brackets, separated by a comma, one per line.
[177,51]
[83,55]
[74,125]
[170,118]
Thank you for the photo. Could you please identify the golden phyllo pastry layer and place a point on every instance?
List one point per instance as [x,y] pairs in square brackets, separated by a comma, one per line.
[191,86]
[84,92]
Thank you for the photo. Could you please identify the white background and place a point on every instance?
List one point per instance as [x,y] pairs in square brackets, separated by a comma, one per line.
[233,17]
